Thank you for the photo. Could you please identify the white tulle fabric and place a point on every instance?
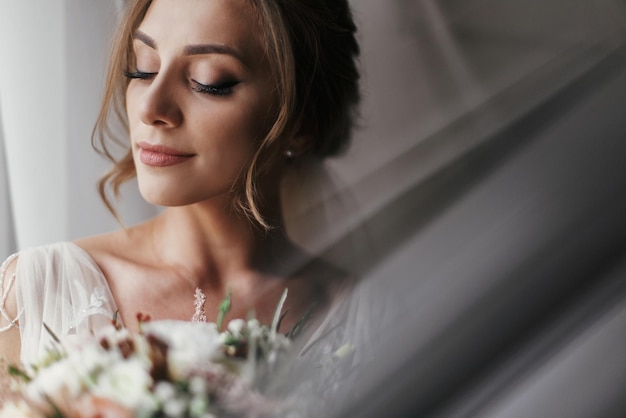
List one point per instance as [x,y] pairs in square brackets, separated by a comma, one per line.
[59,285]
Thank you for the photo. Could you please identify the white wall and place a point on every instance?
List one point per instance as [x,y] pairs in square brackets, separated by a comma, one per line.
[7,233]
[52,65]
[89,25]
[32,93]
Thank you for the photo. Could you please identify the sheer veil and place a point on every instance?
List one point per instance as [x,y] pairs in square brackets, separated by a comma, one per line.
[480,210]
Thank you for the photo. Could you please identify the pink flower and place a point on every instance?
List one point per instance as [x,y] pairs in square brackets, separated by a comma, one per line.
[96,407]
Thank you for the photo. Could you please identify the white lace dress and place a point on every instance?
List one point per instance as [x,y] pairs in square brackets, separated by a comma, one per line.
[59,285]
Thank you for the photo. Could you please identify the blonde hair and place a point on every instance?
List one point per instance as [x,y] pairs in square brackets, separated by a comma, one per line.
[311,48]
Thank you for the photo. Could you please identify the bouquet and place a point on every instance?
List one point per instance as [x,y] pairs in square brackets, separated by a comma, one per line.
[168,369]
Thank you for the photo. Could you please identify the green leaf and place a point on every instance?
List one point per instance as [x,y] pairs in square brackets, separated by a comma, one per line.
[299,326]
[280,320]
[56,412]
[52,334]
[17,372]
[224,308]
[230,340]
[279,309]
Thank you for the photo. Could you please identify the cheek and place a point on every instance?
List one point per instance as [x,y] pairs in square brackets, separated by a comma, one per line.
[131,108]
[234,126]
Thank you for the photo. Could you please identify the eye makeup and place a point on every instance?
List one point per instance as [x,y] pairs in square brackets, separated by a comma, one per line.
[224,88]
[218,89]
[140,75]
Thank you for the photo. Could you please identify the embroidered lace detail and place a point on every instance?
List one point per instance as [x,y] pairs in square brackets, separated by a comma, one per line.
[97,304]
[4,293]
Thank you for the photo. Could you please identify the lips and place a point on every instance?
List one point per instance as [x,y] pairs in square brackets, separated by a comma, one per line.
[161,155]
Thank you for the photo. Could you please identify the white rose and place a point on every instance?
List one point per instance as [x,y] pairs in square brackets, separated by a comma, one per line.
[190,344]
[126,383]
[57,383]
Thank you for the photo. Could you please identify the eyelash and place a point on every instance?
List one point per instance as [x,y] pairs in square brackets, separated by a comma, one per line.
[220,89]
[139,75]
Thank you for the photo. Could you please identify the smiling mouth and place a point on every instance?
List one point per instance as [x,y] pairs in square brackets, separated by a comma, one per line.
[161,156]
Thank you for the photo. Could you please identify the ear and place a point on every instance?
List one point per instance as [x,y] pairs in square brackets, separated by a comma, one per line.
[301,142]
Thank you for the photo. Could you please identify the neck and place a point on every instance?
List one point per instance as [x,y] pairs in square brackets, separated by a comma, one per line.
[215,246]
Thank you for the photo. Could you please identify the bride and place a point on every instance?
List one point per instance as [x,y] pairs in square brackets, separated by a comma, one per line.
[221,98]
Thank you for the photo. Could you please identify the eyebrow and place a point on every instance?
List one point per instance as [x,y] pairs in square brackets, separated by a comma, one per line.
[139,35]
[200,49]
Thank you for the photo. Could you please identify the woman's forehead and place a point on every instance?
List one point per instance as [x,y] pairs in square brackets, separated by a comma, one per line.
[176,24]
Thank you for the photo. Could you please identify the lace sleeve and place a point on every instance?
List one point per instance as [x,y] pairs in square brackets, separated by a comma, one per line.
[4,293]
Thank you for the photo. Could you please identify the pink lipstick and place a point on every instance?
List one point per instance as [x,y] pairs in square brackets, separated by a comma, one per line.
[161,155]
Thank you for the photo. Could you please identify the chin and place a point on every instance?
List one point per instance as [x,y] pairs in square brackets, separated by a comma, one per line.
[164,200]
[164,196]
[175,195]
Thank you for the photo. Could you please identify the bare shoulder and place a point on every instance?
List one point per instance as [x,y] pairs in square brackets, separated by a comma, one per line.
[105,245]
[113,248]
[121,257]
[112,252]
[9,332]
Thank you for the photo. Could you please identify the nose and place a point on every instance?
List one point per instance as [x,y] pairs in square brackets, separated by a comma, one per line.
[158,106]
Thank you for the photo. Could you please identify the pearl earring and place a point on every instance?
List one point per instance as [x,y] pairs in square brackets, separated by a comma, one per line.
[290,154]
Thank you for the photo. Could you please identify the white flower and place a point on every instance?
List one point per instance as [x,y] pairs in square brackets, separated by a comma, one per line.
[198,405]
[57,383]
[18,409]
[89,360]
[175,408]
[197,385]
[127,383]
[254,324]
[111,372]
[190,344]
[236,327]
[164,391]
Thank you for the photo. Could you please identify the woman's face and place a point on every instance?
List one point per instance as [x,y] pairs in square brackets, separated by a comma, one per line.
[200,99]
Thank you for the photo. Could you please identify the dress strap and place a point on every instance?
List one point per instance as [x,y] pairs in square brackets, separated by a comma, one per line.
[4,293]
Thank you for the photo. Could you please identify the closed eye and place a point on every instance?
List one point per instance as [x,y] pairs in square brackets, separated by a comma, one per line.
[219,89]
[139,75]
